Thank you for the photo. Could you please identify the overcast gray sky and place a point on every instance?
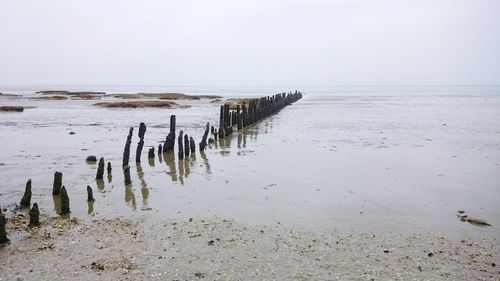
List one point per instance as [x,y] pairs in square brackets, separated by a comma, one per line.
[254,42]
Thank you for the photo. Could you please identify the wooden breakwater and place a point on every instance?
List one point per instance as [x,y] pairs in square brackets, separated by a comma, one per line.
[236,116]
[257,109]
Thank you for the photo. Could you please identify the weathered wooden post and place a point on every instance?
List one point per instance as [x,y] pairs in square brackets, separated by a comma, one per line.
[186,146]
[151,152]
[140,145]
[126,150]
[126,175]
[90,196]
[34,216]
[244,119]
[170,140]
[64,202]
[203,142]
[109,168]
[222,133]
[221,117]
[100,169]
[26,201]
[160,154]
[192,145]
[238,123]
[227,116]
[56,187]
[3,233]
[180,153]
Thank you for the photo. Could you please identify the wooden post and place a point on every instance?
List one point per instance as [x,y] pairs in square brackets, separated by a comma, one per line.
[25,202]
[64,202]
[34,216]
[140,145]
[203,142]
[109,168]
[56,187]
[180,153]
[170,140]
[90,196]
[126,175]
[151,152]
[3,233]
[100,169]
[192,145]
[238,123]
[160,152]
[126,150]
[186,146]
[221,117]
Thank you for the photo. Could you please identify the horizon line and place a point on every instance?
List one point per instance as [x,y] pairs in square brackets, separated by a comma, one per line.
[250,86]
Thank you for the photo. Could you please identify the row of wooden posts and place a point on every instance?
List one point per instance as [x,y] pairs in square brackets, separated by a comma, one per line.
[240,117]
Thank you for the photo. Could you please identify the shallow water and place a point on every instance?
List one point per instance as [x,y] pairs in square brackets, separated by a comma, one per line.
[403,160]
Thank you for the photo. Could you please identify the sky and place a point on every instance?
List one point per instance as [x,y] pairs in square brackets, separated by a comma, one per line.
[250,43]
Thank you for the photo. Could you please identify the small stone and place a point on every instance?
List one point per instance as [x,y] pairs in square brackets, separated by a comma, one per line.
[91,158]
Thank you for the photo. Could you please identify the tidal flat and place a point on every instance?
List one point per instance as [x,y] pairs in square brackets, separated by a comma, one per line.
[347,185]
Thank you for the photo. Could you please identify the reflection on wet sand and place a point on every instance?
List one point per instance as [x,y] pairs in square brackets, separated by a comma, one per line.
[181,171]
[90,207]
[170,161]
[151,161]
[110,178]
[100,184]
[205,161]
[225,142]
[144,185]
[193,160]
[244,133]
[187,168]
[240,139]
[160,156]
[129,196]
[57,203]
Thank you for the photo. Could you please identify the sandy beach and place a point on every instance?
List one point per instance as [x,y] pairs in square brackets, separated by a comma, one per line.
[217,249]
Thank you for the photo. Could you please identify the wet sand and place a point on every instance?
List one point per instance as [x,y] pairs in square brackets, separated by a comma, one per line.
[336,166]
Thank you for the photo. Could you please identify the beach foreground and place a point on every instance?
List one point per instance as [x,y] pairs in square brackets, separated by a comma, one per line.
[217,249]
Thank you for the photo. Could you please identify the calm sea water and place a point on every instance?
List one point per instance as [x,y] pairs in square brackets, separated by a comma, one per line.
[357,158]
